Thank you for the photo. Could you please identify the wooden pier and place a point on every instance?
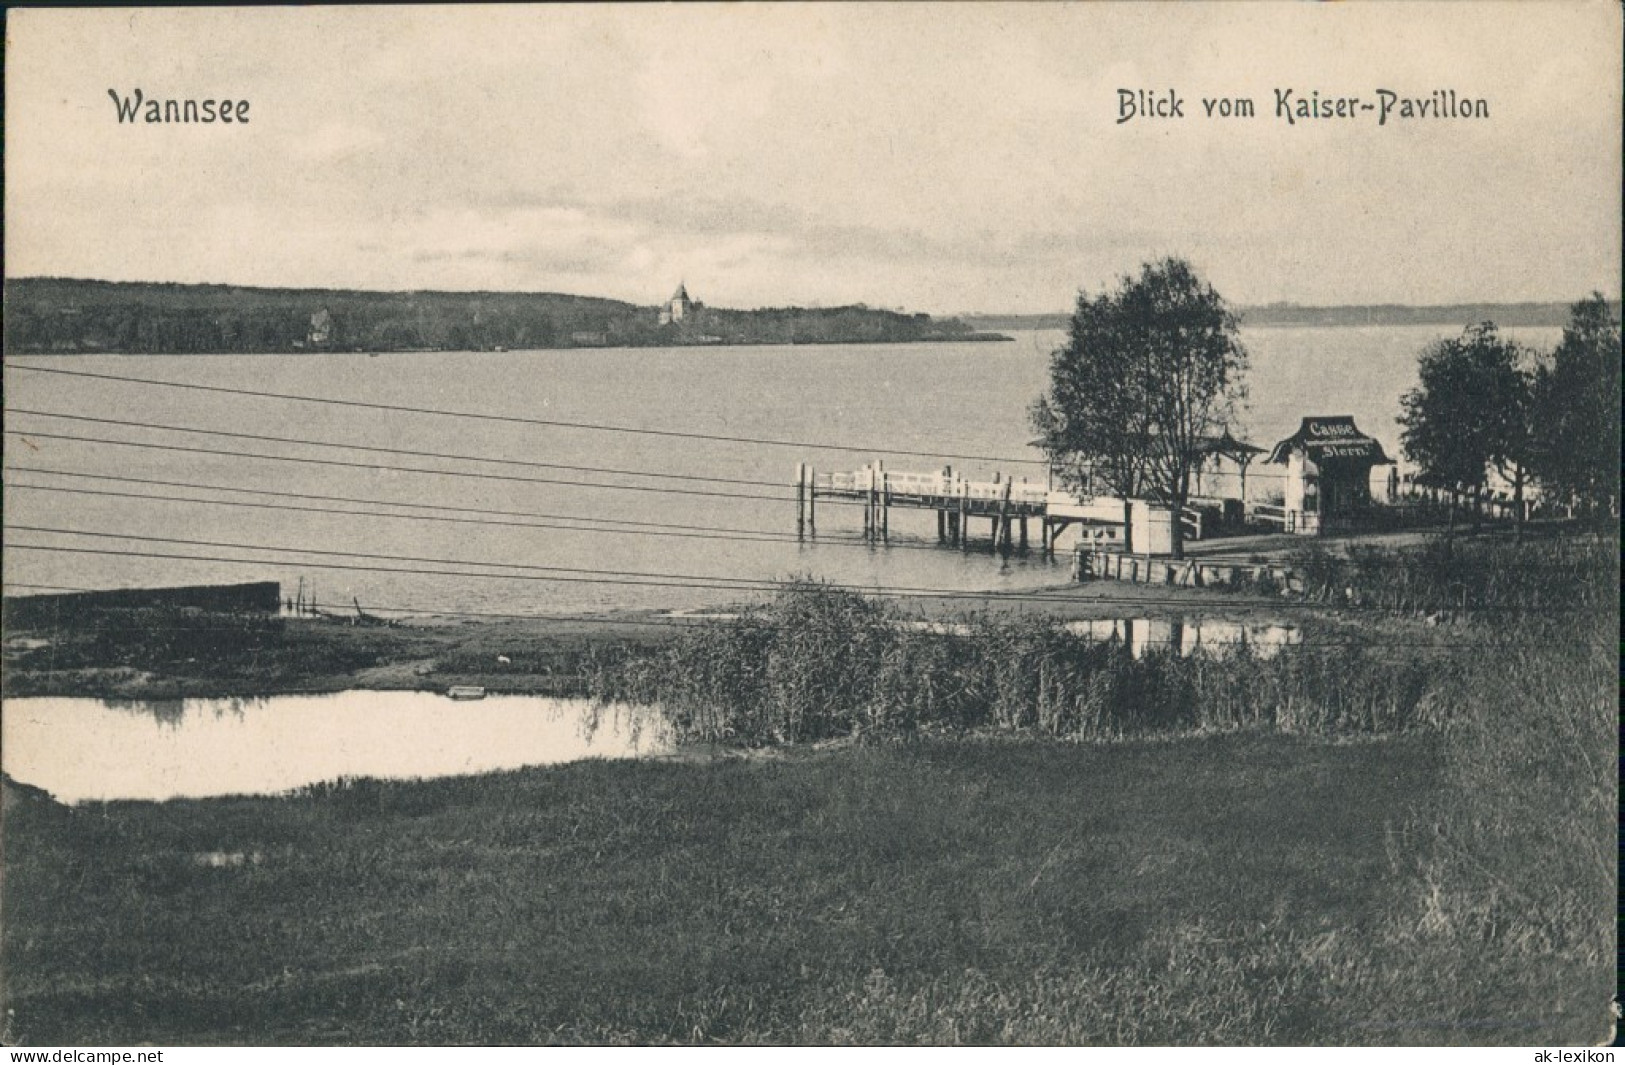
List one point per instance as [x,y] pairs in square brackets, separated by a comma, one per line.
[1007,504]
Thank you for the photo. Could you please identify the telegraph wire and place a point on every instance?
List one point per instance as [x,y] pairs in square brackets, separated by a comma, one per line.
[673,531]
[194,486]
[551,423]
[657,529]
[300,441]
[624,577]
[380,569]
[536,464]
[378,466]
[407,613]
[684,621]
[646,528]
[395,450]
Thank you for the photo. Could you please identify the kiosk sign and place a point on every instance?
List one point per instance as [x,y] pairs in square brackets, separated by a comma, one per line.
[1324,428]
[1360,449]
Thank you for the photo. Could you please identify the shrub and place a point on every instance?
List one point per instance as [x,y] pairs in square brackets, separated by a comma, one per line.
[1567,573]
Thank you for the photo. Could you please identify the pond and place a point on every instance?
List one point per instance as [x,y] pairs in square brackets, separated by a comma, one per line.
[93,749]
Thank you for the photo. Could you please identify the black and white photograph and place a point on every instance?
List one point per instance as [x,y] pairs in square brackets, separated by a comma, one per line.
[810,525]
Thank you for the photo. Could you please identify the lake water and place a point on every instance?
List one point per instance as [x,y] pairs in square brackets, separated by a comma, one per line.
[587,550]
[91,749]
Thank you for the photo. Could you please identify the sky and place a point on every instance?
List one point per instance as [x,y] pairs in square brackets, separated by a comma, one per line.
[942,158]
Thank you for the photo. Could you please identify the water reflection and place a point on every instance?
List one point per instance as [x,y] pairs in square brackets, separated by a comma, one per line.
[1190,636]
[172,712]
[91,749]
[169,712]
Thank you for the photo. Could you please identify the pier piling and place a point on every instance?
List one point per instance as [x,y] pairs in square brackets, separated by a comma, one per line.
[964,516]
[885,504]
[801,501]
[1001,523]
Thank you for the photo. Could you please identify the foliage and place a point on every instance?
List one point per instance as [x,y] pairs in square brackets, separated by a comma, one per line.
[855,324]
[1564,574]
[1470,411]
[1147,373]
[1513,315]
[1578,402]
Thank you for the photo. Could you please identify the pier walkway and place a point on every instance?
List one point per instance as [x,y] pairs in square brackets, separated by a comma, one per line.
[1007,503]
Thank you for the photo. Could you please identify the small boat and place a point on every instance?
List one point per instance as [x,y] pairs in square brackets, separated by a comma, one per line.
[465,691]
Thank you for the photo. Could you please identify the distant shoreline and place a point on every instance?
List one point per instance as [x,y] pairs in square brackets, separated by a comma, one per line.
[1455,315]
[77,316]
[69,316]
[969,338]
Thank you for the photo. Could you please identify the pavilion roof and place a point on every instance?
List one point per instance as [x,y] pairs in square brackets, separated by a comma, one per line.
[1331,437]
[1228,446]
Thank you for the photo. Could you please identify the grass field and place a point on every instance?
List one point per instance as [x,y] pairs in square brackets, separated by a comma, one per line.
[1025,891]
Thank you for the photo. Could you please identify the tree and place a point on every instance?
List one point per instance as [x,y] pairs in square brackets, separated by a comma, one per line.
[1470,412]
[1576,454]
[1147,373]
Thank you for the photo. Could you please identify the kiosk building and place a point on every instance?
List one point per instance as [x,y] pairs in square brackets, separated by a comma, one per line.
[1328,474]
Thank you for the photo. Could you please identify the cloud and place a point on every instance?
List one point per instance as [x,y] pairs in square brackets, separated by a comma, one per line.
[943,157]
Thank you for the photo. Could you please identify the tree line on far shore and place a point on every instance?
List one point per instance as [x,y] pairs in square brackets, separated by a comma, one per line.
[67,315]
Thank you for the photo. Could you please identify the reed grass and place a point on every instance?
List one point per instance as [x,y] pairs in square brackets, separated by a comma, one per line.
[1563,572]
[820,663]
[1514,871]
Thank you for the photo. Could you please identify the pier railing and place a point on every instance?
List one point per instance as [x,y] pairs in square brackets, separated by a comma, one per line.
[1190,519]
[1008,503]
[905,486]
[1273,515]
